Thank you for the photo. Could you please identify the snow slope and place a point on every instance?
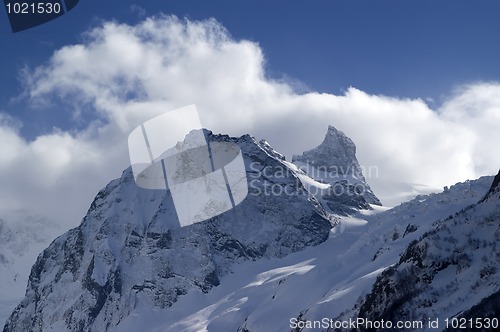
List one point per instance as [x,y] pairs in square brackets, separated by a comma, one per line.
[324,281]
[445,272]
[22,238]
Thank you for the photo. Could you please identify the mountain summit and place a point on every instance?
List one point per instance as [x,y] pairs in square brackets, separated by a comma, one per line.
[337,151]
[334,161]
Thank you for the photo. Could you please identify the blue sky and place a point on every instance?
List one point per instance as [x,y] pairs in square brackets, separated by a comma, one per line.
[411,49]
[415,85]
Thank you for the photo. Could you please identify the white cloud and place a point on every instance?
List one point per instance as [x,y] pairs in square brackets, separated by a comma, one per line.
[128,74]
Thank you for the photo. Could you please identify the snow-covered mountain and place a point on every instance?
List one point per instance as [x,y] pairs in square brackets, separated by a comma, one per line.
[130,253]
[304,247]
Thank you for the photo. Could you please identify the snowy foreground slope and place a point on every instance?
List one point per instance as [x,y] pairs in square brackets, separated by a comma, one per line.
[450,271]
[277,262]
[325,281]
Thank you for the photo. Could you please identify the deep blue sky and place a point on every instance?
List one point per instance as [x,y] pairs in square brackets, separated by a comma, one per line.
[397,48]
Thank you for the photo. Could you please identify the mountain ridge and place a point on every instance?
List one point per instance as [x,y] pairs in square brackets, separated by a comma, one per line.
[130,266]
[127,228]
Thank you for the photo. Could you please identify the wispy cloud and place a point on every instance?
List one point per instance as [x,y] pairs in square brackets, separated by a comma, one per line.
[141,12]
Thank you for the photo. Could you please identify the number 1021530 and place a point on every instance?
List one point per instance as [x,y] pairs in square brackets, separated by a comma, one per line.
[34,8]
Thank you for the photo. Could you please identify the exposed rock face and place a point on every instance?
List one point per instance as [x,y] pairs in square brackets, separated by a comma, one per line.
[494,189]
[130,252]
[334,161]
[336,151]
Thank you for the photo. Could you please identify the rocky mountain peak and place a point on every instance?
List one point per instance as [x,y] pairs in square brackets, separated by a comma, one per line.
[495,186]
[334,161]
[337,150]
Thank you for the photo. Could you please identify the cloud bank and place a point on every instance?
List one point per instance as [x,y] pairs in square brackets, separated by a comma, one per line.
[123,75]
